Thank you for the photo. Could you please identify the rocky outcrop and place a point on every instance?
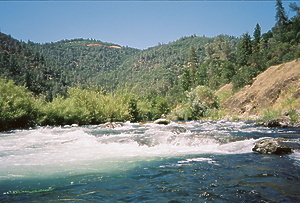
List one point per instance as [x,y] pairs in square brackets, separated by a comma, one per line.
[273,146]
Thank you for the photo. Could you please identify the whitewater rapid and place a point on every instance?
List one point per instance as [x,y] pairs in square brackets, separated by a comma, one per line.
[54,151]
[198,160]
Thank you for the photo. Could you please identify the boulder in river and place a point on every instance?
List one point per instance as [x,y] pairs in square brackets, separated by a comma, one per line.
[283,122]
[272,146]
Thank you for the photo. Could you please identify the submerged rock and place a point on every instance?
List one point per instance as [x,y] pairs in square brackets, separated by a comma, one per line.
[176,129]
[272,146]
[112,125]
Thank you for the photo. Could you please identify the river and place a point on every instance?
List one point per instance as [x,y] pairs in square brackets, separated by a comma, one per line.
[199,161]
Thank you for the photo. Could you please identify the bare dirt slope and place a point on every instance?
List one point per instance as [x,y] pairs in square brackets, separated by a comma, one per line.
[277,87]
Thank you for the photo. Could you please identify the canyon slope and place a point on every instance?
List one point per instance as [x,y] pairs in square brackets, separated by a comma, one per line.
[276,88]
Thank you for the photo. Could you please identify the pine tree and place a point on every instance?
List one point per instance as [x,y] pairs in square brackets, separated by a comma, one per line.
[257,37]
[294,7]
[244,50]
[193,65]
[186,79]
[280,16]
[281,26]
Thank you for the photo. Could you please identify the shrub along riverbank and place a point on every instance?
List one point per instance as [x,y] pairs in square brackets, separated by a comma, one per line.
[20,109]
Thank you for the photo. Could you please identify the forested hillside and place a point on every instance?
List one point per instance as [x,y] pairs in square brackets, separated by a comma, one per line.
[164,69]
[86,62]
[20,63]
[158,69]
[179,78]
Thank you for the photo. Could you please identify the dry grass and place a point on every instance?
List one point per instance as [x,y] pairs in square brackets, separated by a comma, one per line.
[276,88]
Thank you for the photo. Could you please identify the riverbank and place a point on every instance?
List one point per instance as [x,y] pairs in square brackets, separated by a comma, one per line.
[273,98]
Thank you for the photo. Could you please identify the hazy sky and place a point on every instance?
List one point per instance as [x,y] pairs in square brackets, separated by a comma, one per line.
[139,24]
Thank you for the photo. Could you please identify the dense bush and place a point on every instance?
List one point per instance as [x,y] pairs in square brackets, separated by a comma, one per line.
[83,106]
[18,108]
[63,112]
[200,101]
[153,107]
[90,106]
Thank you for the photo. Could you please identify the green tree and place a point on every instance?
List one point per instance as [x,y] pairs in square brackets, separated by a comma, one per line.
[133,110]
[281,17]
[200,100]
[244,77]
[257,38]
[190,74]
[295,8]
[186,79]
[244,50]
[193,65]
[295,26]
[18,108]
[202,73]
[227,72]
[281,26]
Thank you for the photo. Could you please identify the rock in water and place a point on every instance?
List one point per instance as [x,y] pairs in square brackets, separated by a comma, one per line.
[112,125]
[283,122]
[162,121]
[271,146]
[176,129]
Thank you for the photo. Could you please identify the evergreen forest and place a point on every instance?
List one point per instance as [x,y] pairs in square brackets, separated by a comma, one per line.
[87,81]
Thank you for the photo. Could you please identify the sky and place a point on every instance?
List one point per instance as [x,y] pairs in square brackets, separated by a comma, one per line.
[138,24]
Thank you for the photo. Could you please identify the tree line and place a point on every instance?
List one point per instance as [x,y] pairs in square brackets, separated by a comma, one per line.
[239,61]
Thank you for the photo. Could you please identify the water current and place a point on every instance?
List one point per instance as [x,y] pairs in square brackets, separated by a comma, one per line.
[203,161]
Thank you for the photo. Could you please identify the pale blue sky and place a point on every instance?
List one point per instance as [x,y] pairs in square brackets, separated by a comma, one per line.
[139,24]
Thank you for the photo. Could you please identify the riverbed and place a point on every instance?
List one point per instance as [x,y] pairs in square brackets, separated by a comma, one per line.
[195,161]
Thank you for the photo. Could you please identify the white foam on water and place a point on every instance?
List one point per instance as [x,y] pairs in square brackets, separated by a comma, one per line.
[190,161]
[238,147]
[296,157]
[209,160]
[51,151]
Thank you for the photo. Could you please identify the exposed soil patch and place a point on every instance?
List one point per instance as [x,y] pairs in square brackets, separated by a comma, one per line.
[269,90]
[102,45]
